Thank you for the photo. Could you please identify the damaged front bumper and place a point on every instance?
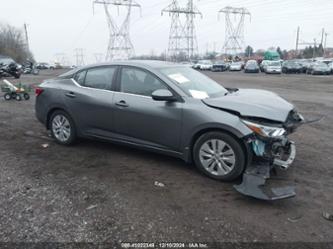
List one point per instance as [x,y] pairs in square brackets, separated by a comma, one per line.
[271,155]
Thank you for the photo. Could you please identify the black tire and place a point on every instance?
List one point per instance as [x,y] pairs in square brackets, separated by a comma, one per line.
[239,153]
[26,96]
[18,97]
[73,132]
[7,96]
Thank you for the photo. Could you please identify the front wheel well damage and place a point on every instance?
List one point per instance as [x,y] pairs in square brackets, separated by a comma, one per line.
[242,141]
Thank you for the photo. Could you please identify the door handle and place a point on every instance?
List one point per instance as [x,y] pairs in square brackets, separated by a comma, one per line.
[70,94]
[122,103]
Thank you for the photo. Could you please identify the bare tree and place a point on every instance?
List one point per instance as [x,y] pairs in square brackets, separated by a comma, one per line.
[12,44]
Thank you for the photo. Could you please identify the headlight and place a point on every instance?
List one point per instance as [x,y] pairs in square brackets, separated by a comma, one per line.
[265,131]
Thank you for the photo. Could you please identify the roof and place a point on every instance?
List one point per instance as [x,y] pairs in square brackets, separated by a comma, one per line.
[144,63]
[148,64]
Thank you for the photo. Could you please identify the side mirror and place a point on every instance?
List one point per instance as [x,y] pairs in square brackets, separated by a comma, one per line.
[163,95]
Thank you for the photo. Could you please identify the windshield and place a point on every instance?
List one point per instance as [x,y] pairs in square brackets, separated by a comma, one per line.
[195,84]
[6,61]
[291,63]
[321,65]
[275,64]
[205,62]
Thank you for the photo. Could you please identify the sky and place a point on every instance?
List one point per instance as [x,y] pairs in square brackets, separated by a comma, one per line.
[61,26]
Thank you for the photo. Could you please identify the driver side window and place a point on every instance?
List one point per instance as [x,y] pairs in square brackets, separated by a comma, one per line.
[139,82]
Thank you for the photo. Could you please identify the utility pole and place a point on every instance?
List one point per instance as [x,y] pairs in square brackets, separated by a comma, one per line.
[120,46]
[297,39]
[325,43]
[79,57]
[234,29]
[322,37]
[314,48]
[26,36]
[182,37]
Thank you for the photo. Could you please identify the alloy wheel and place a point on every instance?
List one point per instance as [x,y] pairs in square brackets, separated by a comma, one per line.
[61,128]
[217,157]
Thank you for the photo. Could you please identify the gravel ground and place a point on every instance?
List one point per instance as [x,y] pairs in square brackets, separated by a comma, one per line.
[100,192]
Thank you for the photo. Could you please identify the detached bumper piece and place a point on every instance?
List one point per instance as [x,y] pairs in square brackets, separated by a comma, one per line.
[258,184]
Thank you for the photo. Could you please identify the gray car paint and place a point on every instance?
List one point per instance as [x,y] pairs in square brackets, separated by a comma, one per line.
[168,127]
[254,103]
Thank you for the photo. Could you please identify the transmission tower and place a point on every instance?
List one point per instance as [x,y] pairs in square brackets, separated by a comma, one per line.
[120,46]
[234,29]
[62,59]
[182,37]
[79,55]
[98,57]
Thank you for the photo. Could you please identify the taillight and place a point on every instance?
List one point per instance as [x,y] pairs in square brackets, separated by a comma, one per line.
[38,91]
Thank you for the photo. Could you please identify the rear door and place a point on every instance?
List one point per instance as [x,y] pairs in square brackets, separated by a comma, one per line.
[139,118]
[90,102]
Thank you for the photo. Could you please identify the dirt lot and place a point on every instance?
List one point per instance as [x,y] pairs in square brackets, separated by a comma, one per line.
[96,192]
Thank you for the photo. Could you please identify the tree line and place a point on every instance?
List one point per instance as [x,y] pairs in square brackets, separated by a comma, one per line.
[13,44]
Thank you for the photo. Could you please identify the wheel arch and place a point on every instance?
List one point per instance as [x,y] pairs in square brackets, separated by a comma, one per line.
[240,139]
[49,114]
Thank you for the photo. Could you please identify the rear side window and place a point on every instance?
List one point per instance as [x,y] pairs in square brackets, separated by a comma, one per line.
[100,78]
[79,77]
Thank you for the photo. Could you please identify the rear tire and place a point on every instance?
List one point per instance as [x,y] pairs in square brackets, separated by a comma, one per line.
[7,96]
[219,156]
[62,128]
[26,96]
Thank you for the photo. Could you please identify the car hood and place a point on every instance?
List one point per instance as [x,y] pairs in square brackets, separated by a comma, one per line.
[253,103]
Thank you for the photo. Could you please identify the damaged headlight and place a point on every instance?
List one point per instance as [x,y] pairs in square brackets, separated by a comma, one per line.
[265,131]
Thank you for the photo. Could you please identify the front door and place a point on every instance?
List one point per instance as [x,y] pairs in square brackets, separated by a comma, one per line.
[139,118]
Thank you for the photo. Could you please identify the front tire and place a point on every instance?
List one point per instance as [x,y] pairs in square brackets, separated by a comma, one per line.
[219,156]
[62,128]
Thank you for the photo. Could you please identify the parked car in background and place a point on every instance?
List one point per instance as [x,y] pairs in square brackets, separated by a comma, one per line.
[56,65]
[274,67]
[251,66]
[175,110]
[331,67]
[236,66]
[291,67]
[263,65]
[9,68]
[42,65]
[319,68]
[29,67]
[305,64]
[204,65]
[219,66]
